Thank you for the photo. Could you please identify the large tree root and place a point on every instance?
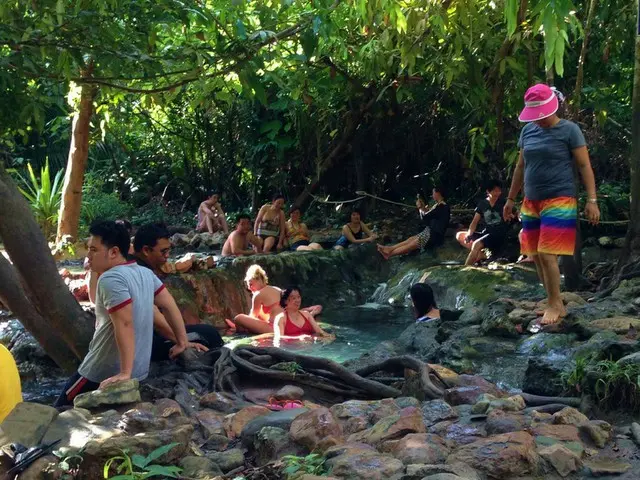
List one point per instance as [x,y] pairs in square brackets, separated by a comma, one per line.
[537,400]
[270,363]
[424,371]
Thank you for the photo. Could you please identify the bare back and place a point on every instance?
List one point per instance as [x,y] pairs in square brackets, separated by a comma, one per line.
[267,301]
[237,242]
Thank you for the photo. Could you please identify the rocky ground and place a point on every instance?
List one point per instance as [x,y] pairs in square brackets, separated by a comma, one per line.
[529,422]
[475,431]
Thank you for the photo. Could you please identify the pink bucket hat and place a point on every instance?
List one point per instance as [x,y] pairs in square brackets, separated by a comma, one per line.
[540,102]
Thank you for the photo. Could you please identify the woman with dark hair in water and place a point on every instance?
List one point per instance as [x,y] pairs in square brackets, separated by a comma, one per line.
[293,322]
[265,304]
[424,303]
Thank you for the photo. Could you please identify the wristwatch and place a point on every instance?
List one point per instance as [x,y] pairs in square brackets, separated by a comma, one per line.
[592,200]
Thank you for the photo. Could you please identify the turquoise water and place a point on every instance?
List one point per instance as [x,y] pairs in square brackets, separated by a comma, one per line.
[357,329]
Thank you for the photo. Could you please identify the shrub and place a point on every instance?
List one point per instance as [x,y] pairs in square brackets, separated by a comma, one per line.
[43,195]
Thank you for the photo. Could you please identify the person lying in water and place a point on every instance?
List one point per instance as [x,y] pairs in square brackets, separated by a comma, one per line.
[298,233]
[355,232]
[293,322]
[434,225]
[265,304]
[424,303]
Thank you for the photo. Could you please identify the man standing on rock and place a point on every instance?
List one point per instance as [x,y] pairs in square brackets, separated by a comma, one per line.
[238,242]
[550,149]
[121,346]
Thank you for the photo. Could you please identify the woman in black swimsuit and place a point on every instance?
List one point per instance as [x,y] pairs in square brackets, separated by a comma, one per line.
[354,232]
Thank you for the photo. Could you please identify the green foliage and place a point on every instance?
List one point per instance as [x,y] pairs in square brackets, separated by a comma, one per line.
[43,194]
[614,201]
[137,467]
[573,380]
[290,367]
[618,386]
[254,97]
[70,465]
[313,464]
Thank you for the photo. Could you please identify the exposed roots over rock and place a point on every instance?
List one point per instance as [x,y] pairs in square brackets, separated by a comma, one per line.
[321,373]
[425,372]
[538,400]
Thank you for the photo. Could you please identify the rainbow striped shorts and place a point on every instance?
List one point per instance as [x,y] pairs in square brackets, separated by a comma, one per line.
[549,226]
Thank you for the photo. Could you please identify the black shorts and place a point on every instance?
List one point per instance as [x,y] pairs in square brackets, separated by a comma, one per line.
[492,241]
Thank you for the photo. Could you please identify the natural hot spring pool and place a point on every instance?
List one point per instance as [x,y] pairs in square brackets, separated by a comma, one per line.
[357,329]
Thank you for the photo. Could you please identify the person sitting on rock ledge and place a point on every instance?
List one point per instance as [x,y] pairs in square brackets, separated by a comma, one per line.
[270,224]
[121,345]
[424,303]
[152,246]
[435,222]
[355,232]
[293,322]
[489,210]
[238,242]
[211,217]
[298,233]
[265,304]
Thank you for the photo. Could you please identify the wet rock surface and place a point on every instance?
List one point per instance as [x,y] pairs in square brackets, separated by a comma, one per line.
[482,427]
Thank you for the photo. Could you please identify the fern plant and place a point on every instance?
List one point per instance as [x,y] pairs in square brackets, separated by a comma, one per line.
[313,464]
[43,194]
[137,467]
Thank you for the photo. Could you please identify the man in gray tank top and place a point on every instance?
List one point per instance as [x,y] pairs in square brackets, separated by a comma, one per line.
[121,344]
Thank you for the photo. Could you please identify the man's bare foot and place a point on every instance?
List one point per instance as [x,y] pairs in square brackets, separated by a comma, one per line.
[553,315]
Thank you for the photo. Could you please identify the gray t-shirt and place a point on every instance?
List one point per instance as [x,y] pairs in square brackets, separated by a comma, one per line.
[548,159]
[117,288]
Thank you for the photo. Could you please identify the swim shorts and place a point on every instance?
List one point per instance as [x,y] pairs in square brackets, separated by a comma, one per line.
[549,226]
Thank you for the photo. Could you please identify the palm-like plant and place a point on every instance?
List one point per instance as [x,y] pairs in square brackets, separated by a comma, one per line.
[43,195]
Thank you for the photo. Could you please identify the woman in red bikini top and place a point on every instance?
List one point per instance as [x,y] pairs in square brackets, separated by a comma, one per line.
[294,322]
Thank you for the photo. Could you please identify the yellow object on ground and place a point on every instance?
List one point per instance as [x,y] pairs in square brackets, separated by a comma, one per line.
[10,389]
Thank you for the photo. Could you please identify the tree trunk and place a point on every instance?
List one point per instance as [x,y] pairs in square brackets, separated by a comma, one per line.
[634,162]
[15,299]
[69,216]
[352,124]
[577,92]
[31,257]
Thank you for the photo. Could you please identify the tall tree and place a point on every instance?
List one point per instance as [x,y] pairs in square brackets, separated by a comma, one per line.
[29,252]
[633,231]
[71,204]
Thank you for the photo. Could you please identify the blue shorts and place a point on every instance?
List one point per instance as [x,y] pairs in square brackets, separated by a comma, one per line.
[300,243]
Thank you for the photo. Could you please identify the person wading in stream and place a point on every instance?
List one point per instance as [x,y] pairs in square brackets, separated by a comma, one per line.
[549,149]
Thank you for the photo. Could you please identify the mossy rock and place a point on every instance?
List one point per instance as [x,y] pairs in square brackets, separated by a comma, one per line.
[474,286]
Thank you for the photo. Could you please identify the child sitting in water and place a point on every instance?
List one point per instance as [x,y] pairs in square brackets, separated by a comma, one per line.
[424,303]
[293,322]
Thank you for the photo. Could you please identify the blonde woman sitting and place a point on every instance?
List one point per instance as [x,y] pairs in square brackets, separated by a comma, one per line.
[265,304]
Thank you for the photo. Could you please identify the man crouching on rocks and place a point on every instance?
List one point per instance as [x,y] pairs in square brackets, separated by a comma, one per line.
[126,293]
